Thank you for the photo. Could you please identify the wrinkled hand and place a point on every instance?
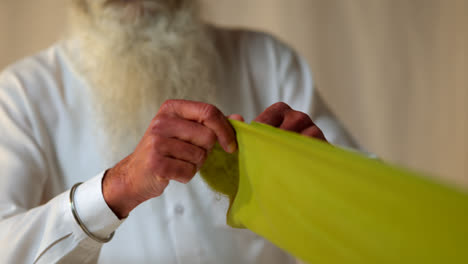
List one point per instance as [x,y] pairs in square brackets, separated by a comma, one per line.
[282,116]
[174,147]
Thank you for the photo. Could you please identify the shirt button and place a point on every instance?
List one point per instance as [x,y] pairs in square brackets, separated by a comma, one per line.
[179,209]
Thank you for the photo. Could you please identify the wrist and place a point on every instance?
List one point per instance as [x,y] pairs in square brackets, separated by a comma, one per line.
[116,191]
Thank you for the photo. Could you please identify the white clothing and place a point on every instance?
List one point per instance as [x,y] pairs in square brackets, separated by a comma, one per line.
[48,143]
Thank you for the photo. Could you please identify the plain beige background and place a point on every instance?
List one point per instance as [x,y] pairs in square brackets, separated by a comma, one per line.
[394,71]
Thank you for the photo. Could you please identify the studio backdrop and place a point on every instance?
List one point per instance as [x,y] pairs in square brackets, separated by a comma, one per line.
[395,72]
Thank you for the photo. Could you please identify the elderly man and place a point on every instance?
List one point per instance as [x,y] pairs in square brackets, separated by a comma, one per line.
[94,108]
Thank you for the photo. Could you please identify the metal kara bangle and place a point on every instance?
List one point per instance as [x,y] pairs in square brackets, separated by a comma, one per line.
[80,223]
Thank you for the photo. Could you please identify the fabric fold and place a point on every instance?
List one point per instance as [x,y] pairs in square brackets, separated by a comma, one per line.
[324,204]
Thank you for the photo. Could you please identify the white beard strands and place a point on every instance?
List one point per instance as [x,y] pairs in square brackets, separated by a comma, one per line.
[133,67]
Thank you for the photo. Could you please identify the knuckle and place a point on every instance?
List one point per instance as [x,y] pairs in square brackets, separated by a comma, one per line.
[158,123]
[163,169]
[167,103]
[300,116]
[167,106]
[182,173]
[210,111]
[187,173]
[314,131]
[281,105]
[164,106]
[157,141]
[319,131]
[199,156]
[185,179]
[153,161]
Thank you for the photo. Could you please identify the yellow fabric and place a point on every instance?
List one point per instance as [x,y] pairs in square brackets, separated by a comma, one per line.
[327,205]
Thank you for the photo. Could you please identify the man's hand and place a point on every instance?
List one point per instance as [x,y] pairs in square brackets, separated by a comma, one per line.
[174,147]
[284,117]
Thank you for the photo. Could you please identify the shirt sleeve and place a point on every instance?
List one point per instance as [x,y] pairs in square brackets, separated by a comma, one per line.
[33,228]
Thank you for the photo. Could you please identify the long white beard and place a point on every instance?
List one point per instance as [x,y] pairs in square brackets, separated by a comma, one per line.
[134,66]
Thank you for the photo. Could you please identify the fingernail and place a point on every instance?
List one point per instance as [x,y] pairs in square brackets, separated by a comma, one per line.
[232,147]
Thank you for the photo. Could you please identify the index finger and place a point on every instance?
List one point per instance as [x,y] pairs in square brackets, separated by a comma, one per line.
[208,115]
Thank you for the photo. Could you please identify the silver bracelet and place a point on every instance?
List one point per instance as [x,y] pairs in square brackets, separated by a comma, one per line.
[80,223]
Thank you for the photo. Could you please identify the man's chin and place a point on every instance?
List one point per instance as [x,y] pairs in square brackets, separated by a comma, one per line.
[141,5]
[133,11]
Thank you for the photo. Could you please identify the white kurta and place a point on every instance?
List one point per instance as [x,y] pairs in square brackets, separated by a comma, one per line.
[48,143]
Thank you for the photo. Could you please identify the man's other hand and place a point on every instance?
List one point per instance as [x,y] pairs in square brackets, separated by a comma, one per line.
[282,116]
[174,147]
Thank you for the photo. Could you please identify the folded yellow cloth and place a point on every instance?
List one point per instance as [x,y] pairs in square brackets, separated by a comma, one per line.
[324,204]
